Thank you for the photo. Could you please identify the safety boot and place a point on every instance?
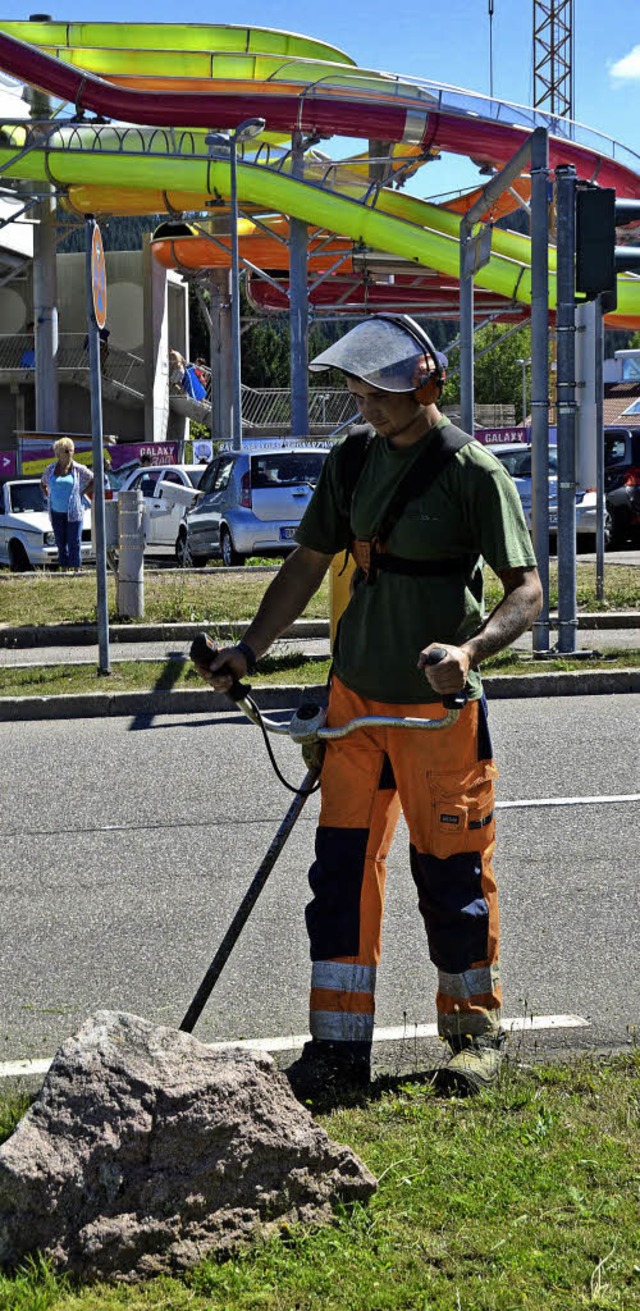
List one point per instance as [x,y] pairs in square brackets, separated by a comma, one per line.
[474,1063]
[329,1072]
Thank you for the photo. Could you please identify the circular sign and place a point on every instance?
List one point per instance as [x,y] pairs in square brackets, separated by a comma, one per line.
[98,278]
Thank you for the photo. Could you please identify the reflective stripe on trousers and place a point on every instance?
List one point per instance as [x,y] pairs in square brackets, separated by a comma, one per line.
[443,782]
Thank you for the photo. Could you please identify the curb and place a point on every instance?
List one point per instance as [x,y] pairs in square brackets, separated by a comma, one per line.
[87,634]
[92,705]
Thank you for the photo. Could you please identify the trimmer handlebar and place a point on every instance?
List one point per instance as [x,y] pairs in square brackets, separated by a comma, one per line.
[455,700]
[203,650]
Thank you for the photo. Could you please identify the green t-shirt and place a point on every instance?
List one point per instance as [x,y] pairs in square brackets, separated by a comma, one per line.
[472,509]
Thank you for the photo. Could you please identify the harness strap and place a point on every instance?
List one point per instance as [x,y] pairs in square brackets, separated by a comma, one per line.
[370,555]
[380,562]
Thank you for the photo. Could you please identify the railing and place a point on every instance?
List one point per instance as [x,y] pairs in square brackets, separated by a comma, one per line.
[118,366]
[268,407]
[422,93]
[271,407]
[261,408]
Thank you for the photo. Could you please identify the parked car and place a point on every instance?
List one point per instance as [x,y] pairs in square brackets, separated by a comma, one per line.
[26,535]
[622,482]
[167,490]
[516,459]
[251,503]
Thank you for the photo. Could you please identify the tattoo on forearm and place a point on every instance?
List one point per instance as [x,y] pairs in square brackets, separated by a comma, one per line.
[512,617]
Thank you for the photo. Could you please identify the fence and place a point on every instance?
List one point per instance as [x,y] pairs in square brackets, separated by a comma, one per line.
[263,408]
[17,357]
[271,408]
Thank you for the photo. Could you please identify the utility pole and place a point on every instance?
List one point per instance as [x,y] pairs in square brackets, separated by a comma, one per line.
[491,48]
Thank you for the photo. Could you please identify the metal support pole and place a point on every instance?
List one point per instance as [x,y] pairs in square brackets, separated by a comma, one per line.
[600,489]
[104,666]
[467,414]
[540,373]
[298,306]
[499,182]
[236,416]
[45,317]
[566,385]
[45,294]
[221,348]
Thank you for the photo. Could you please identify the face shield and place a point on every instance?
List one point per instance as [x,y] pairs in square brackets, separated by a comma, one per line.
[383,354]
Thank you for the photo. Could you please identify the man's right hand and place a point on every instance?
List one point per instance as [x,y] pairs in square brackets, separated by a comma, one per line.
[229,659]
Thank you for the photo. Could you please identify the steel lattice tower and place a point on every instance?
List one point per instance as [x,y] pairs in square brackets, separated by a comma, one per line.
[553,45]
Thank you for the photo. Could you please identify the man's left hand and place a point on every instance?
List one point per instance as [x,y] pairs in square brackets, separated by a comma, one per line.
[448,675]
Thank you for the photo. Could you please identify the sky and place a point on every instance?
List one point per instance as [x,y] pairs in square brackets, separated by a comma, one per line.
[448,42]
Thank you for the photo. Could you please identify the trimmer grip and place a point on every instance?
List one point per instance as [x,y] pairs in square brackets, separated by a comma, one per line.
[455,700]
[203,651]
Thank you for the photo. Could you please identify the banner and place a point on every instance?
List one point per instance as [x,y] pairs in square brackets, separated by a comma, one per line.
[8,463]
[498,436]
[33,456]
[160,452]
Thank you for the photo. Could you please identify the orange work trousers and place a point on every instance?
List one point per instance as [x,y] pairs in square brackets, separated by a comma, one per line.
[443,781]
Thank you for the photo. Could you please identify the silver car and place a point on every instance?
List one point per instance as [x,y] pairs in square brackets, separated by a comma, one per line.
[516,459]
[250,503]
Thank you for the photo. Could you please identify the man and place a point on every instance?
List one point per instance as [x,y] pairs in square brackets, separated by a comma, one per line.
[429,506]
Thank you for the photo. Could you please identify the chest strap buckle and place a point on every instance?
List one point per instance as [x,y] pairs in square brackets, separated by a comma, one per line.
[366,554]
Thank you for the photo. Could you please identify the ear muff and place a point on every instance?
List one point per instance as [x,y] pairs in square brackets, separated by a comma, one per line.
[430,388]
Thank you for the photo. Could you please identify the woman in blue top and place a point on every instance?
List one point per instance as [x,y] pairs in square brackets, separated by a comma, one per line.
[65,482]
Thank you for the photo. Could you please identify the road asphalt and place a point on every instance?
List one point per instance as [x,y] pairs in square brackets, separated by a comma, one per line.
[119,894]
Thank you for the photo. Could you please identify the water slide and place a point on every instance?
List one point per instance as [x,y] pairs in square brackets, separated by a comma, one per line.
[176,83]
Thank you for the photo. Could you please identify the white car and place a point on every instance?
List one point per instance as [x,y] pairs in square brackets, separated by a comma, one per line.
[167,490]
[26,535]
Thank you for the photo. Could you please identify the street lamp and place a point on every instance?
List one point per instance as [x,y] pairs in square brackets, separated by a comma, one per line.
[224,145]
[524,365]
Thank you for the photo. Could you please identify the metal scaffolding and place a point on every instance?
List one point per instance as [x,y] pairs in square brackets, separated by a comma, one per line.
[553,47]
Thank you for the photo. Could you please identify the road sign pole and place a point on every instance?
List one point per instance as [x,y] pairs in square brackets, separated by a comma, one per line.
[96,319]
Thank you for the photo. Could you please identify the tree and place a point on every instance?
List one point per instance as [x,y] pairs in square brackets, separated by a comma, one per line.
[497,373]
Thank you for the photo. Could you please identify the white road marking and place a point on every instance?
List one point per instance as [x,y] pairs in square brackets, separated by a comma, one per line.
[153,826]
[399,1033]
[568,801]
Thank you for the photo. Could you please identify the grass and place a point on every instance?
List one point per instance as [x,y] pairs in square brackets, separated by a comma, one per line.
[171,597]
[523,1199]
[178,674]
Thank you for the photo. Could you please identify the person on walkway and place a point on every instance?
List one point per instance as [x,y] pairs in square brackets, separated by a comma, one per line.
[429,507]
[65,483]
[177,368]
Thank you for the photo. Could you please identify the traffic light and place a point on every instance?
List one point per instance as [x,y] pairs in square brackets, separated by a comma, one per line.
[598,259]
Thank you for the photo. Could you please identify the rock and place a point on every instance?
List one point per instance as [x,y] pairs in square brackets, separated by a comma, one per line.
[147,1151]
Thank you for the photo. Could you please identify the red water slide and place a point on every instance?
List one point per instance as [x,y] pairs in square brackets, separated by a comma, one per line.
[340,112]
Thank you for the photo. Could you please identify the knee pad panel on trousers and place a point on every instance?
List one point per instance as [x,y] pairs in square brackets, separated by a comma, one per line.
[455,912]
[335,878]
